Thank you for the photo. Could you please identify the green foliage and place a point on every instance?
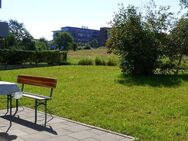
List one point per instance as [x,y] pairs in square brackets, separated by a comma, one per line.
[184,3]
[27,44]
[41,45]
[19,37]
[11,39]
[94,43]
[74,46]
[143,42]
[99,61]
[45,41]
[24,56]
[134,42]
[86,61]
[179,42]
[63,41]
[111,62]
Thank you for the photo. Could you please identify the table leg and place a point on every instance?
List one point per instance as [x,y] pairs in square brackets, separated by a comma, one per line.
[9,107]
[7,104]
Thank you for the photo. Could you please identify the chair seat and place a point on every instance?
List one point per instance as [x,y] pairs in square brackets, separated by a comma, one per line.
[35,96]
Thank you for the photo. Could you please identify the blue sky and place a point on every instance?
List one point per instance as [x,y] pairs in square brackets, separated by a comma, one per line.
[41,17]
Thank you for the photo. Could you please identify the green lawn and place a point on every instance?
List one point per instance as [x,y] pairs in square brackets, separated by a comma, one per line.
[149,108]
[75,56]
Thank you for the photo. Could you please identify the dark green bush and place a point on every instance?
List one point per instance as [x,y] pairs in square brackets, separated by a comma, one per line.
[86,61]
[111,62]
[99,61]
[14,57]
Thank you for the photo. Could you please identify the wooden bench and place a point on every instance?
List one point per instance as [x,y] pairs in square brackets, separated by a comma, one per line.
[39,99]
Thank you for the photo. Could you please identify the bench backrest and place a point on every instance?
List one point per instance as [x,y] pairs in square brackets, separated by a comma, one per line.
[37,81]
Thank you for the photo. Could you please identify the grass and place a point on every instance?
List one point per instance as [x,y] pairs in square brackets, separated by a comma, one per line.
[75,56]
[150,108]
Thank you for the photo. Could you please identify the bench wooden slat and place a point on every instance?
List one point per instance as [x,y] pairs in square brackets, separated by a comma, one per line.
[37,81]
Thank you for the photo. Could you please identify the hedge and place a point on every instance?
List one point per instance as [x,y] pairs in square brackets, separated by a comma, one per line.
[14,57]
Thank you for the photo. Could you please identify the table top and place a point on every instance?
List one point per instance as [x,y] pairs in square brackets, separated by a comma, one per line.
[7,88]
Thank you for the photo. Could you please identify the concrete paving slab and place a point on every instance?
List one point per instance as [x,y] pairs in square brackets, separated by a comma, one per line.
[23,128]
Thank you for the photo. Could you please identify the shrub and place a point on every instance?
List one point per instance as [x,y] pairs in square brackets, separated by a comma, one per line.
[111,62]
[86,61]
[141,41]
[14,57]
[99,61]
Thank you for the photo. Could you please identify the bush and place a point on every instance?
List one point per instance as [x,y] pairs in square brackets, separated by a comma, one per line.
[141,41]
[111,62]
[86,61]
[99,61]
[14,57]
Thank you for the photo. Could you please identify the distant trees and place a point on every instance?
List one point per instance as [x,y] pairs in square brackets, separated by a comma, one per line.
[179,42]
[41,44]
[147,44]
[19,38]
[94,43]
[22,38]
[184,3]
[63,41]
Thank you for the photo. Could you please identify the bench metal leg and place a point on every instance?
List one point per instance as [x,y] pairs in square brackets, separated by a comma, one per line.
[16,105]
[45,104]
[36,105]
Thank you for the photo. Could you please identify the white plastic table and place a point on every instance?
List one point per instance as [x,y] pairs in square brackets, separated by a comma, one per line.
[10,90]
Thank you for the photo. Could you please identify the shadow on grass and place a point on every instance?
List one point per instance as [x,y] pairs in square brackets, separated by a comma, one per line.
[24,66]
[153,80]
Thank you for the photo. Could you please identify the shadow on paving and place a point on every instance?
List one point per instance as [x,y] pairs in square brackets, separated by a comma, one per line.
[6,137]
[153,80]
[29,124]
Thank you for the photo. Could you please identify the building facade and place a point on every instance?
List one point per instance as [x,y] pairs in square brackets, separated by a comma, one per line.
[84,35]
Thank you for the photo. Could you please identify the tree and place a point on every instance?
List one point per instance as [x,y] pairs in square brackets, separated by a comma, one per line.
[43,40]
[27,44]
[94,43]
[74,46]
[141,41]
[23,38]
[184,3]
[63,41]
[11,40]
[40,45]
[18,30]
[133,42]
[179,42]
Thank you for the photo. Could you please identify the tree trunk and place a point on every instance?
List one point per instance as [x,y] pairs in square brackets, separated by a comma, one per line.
[180,59]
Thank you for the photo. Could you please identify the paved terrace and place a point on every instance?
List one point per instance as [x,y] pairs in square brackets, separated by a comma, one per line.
[57,129]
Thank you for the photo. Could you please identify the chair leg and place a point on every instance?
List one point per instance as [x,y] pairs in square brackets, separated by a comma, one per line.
[36,105]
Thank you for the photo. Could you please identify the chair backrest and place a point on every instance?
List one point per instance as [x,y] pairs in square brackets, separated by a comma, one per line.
[37,81]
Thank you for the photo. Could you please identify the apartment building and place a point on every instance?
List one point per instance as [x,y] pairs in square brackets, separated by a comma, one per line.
[85,35]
